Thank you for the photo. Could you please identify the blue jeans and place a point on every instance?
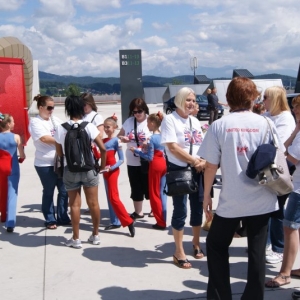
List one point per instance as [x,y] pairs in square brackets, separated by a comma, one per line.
[180,204]
[50,180]
[292,212]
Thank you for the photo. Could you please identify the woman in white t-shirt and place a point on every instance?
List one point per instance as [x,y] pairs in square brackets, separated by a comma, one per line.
[135,131]
[279,112]
[89,180]
[178,131]
[90,112]
[42,129]
[231,142]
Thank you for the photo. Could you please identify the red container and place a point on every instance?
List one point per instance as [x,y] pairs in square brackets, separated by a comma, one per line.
[13,94]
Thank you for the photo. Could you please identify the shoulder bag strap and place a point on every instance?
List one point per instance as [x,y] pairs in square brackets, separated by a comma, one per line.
[135,133]
[94,118]
[274,139]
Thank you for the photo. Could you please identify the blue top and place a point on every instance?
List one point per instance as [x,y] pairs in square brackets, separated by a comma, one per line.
[153,144]
[8,143]
[113,146]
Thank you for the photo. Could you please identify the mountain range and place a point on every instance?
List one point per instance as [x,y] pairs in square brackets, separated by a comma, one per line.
[52,84]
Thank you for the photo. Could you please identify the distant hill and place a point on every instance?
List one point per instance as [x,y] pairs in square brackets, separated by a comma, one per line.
[52,84]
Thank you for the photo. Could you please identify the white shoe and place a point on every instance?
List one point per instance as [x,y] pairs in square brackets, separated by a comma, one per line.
[94,239]
[274,258]
[74,243]
[268,247]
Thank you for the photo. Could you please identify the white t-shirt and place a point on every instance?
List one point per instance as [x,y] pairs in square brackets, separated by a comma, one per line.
[285,124]
[294,150]
[175,129]
[142,133]
[38,127]
[61,132]
[98,120]
[231,141]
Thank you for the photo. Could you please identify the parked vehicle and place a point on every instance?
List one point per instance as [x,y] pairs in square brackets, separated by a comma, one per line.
[203,113]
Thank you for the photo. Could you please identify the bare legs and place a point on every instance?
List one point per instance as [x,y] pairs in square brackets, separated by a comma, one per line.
[91,194]
[138,207]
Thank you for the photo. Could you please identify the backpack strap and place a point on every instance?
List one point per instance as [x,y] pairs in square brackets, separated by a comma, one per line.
[94,118]
[83,124]
[66,126]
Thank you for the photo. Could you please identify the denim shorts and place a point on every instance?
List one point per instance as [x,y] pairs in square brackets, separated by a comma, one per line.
[74,181]
[292,212]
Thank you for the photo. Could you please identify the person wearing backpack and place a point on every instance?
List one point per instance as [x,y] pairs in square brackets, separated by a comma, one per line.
[73,140]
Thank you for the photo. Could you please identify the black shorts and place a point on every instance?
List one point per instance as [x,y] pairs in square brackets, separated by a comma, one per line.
[138,183]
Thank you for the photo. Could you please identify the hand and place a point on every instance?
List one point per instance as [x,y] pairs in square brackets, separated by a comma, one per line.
[21,159]
[207,208]
[199,165]
[132,149]
[107,168]
[124,139]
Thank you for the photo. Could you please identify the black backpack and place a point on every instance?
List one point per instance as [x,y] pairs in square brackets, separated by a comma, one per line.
[78,148]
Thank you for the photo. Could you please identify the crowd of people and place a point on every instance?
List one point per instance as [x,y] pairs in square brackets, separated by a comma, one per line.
[155,145]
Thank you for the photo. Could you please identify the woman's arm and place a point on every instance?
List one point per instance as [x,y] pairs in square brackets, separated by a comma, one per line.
[124,139]
[101,129]
[48,139]
[59,149]
[289,141]
[121,158]
[102,149]
[209,176]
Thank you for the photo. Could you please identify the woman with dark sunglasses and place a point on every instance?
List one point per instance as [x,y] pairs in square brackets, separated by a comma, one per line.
[134,133]
[42,129]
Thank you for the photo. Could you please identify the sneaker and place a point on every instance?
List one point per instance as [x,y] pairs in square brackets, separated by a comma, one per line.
[268,247]
[94,239]
[74,243]
[274,258]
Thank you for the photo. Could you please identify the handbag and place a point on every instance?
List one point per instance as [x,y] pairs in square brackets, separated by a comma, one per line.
[276,176]
[180,182]
[144,162]
[59,165]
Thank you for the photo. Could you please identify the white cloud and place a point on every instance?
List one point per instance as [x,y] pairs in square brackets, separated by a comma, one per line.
[133,25]
[92,5]
[56,9]
[156,41]
[160,26]
[10,4]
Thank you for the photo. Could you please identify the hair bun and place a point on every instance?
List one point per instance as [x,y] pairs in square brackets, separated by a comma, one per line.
[114,117]
[37,97]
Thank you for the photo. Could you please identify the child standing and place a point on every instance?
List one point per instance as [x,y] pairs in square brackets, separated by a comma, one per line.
[112,174]
[9,170]
[154,152]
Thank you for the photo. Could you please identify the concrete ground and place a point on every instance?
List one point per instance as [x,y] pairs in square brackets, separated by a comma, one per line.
[35,264]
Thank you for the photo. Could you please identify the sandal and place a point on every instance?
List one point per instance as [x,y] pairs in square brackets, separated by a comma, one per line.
[295,274]
[180,263]
[198,253]
[51,226]
[134,216]
[150,215]
[276,284]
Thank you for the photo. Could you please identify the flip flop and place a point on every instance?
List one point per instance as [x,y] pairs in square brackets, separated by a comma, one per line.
[275,284]
[180,263]
[198,253]
[52,226]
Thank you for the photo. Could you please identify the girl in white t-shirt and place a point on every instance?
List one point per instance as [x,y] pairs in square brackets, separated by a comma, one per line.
[90,112]
[135,130]
[74,107]
[42,129]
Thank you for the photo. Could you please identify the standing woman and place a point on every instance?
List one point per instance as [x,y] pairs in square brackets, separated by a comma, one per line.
[90,112]
[135,130]
[42,129]
[73,181]
[178,131]
[9,170]
[230,142]
[157,171]
[278,111]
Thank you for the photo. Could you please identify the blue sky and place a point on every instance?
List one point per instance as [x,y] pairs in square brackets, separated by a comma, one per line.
[83,37]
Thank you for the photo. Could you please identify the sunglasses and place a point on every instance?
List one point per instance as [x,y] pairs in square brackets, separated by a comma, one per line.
[49,108]
[265,97]
[137,111]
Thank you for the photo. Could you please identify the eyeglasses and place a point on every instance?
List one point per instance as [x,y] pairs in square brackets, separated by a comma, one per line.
[49,107]
[137,111]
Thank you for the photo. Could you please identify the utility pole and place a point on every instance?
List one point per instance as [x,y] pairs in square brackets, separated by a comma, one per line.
[194,65]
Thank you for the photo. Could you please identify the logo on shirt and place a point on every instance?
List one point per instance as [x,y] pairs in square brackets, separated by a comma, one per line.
[140,135]
[195,137]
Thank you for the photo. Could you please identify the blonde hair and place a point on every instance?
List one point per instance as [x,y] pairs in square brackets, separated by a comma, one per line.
[4,120]
[156,118]
[181,96]
[279,103]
